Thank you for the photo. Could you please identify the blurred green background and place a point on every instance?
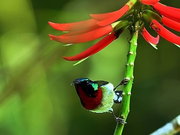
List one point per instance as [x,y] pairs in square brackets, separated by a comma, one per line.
[36,97]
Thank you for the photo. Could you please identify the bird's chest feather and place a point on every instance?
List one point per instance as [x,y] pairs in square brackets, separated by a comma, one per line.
[90,101]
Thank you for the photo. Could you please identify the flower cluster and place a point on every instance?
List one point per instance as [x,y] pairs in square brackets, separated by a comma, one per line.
[110,25]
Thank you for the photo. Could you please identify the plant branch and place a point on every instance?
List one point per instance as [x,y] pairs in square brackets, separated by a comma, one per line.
[170,128]
[128,75]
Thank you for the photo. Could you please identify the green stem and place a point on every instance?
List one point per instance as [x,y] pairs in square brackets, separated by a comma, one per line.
[128,75]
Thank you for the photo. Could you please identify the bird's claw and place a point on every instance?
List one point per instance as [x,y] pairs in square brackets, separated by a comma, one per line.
[120,120]
[124,81]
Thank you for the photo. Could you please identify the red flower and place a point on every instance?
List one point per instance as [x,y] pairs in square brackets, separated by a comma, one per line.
[169,17]
[149,2]
[171,23]
[170,12]
[93,49]
[149,38]
[109,27]
[163,32]
[81,37]
[98,26]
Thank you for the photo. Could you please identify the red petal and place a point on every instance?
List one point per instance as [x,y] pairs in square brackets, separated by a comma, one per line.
[170,12]
[163,32]
[108,18]
[84,37]
[87,25]
[105,15]
[171,23]
[149,38]
[93,49]
[149,2]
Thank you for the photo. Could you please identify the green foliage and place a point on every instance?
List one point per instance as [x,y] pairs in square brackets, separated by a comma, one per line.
[36,96]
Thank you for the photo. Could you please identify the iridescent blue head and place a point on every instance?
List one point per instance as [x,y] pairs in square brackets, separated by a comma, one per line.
[80,80]
[86,85]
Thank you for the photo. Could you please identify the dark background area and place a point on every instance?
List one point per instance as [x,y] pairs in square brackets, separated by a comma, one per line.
[36,97]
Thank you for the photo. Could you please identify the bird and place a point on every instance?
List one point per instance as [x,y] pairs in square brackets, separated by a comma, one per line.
[98,96]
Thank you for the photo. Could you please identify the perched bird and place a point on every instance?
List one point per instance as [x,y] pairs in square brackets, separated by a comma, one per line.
[97,96]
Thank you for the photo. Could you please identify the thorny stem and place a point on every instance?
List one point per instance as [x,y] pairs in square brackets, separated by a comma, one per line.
[128,75]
